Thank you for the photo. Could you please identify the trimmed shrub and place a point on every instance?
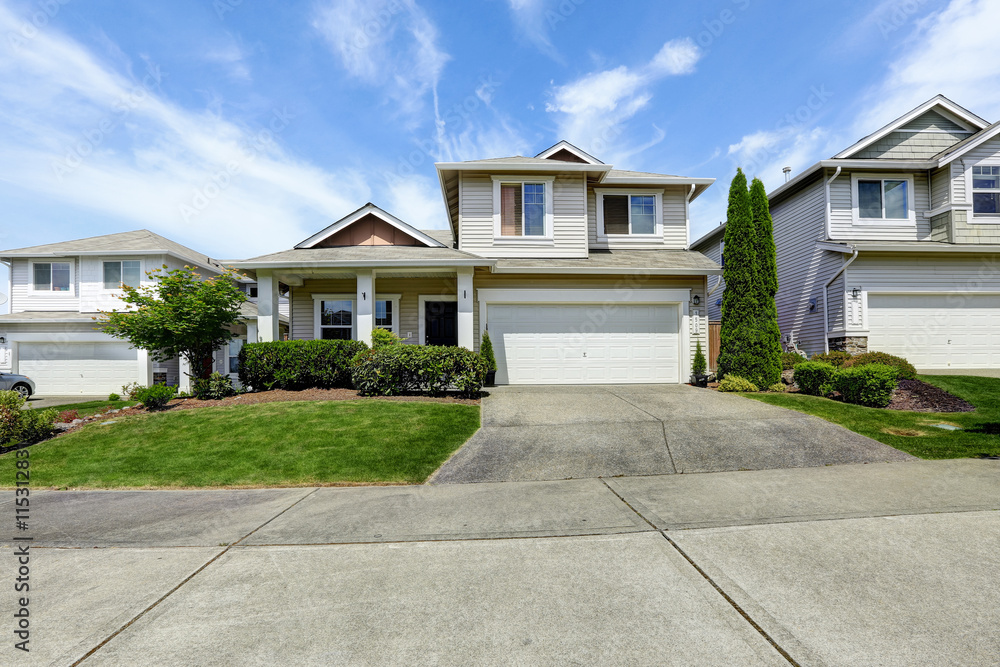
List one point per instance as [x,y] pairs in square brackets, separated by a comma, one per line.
[699,365]
[383,338]
[835,358]
[22,426]
[778,388]
[417,368]
[870,385]
[790,359]
[213,388]
[736,383]
[904,369]
[298,364]
[155,397]
[486,351]
[114,397]
[814,377]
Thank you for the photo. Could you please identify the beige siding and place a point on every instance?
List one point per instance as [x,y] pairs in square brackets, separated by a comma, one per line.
[967,229]
[569,220]
[675,222]
[911,272]
[940,187]
[25,299]
[713,250]
[842,217]
[910,145]
[803,270]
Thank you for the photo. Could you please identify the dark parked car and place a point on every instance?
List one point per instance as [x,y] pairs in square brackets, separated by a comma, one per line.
[19,383]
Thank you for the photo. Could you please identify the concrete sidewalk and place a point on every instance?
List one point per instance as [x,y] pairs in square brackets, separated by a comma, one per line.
[865,564]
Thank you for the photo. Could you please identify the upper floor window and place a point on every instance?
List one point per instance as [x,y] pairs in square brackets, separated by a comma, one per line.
[885,200]
[522,208]
[51,276]
[986,191]
[629,215]
[116,274]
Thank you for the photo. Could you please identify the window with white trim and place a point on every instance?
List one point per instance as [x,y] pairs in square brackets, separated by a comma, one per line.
[235,345]
[882,199]
[52,276]
[385,314]
[522,208]
[624,215]
[336,319]
[986,191]
[117,273]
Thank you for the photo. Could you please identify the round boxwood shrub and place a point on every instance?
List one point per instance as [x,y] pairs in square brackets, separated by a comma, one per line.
[870,385]
[814,377]
[736,383]
[155,397]
[835,358]
[904,369]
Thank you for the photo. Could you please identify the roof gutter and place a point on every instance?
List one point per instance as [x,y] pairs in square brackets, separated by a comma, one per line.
[609,270]
[826,296]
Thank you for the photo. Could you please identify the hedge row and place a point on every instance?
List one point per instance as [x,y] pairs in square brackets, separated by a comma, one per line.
[870,385]
[298,364]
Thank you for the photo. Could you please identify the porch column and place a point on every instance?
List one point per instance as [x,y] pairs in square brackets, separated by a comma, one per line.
[267,306]
[145,368]
[366,306]
[466,336]
[183,379]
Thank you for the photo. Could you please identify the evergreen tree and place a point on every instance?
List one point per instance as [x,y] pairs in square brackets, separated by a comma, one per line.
[770,360]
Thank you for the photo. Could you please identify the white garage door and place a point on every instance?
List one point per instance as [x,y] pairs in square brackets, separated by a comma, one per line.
[585,343]
[937,330]
[78,368]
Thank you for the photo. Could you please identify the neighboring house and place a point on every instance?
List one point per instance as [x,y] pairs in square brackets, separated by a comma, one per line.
[56,291]
[893,244]
[580,272]
[712,246]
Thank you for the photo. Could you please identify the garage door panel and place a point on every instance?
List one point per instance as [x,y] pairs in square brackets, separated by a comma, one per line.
[563,344]
[78,368]
[937,330]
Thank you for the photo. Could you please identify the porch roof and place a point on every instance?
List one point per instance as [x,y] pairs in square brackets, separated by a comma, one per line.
[653,262]
[363,256]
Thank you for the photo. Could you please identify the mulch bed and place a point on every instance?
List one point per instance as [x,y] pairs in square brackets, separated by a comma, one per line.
[917,396]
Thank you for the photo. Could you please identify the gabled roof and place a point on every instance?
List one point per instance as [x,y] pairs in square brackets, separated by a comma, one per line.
[940,104]
[370,209]
[569,148]
[364,256]
[139,242]
[966,145]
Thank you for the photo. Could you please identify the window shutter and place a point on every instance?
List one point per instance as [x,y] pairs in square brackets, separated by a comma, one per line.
[615,214]
[511,223]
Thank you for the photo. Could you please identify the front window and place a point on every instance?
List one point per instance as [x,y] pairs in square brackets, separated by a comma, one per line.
[127,273]
[51,277]
[384,317]
[522,209]
[336,320]
[629,215]
[235,345]
[986,191]
[884,199]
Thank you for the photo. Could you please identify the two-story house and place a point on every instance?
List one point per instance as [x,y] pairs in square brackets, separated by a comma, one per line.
[56,291]
[894,243]
[581,273]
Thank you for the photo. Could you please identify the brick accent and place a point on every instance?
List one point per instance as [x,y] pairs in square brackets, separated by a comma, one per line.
[852,344]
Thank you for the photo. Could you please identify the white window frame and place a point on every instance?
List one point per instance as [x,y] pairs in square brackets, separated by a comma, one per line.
[229,357]
[72,277]
[911,195]
[394,300]
[657,234]
[547,237]
[318,300]
[981,218]
[119,260]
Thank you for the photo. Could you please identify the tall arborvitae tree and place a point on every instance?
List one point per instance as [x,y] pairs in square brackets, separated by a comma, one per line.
[739,334]
[770,360]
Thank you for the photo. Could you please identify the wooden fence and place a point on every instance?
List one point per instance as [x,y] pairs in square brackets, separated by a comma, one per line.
[714,343]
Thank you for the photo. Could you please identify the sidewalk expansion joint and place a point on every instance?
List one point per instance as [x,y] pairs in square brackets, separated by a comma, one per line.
[186,579]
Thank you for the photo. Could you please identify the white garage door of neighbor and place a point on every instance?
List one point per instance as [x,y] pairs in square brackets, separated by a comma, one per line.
[585,343]
[78,368]
[937,330]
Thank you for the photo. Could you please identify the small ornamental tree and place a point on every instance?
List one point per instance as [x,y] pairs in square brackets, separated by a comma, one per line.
[182,315]
[486,351]
[699,365]
[769,363]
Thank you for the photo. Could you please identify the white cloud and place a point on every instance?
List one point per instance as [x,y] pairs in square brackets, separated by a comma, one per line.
[417,201]
[77,130]
[593,109]
[534,19]
[231,56]
[387,43]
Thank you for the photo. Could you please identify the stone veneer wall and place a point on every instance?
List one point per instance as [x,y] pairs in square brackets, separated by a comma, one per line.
[851,344]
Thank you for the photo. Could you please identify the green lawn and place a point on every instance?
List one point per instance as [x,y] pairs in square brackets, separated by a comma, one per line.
[914,431]
[272,444]
[88,408]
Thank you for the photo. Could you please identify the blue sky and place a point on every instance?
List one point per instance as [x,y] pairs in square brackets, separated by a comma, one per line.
[240,127]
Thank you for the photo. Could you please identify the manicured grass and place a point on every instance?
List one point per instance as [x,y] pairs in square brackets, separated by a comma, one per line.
[88,408]
[914,432]
[273,444]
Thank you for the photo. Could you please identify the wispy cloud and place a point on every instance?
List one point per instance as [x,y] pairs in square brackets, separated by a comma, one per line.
[530,18]
[593,108]
[79,130]
[232,57]
[392,44]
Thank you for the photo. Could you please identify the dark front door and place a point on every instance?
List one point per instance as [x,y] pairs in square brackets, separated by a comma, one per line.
[441,322]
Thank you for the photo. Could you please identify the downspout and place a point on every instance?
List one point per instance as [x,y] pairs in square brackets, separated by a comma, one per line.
[829,204]
[826,295]
[9,263]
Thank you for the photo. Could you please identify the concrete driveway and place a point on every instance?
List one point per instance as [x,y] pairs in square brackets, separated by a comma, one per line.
[882,564]
[568,432]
